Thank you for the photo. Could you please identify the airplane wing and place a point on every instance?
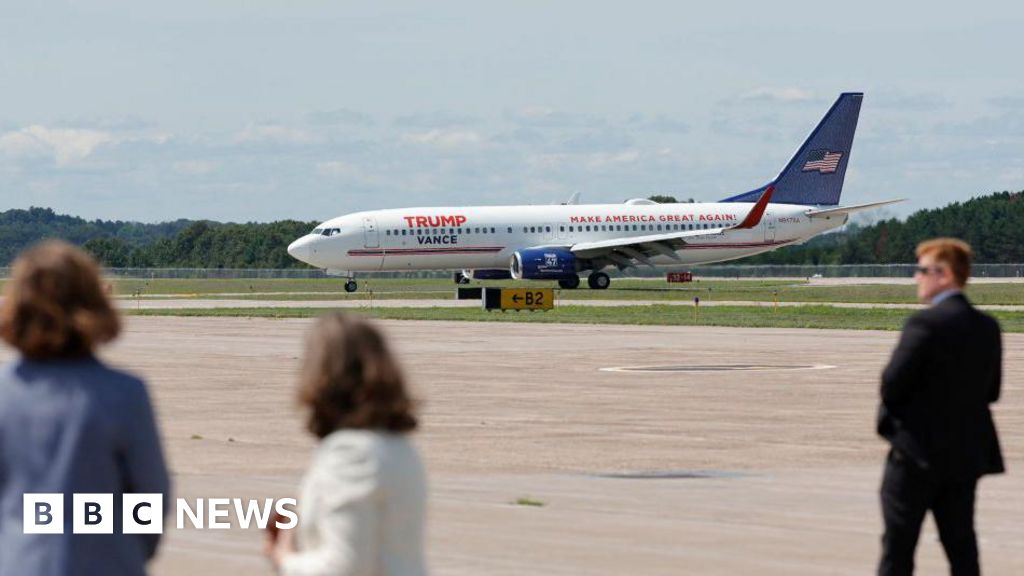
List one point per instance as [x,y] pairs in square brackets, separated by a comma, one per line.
[848,209]
[623,251]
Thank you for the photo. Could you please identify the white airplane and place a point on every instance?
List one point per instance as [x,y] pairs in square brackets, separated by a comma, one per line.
[561,241]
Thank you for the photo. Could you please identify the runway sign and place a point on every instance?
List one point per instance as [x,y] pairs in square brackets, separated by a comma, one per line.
[680,277]
[519,298]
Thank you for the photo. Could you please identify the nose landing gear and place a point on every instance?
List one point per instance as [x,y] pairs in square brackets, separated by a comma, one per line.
[351,286]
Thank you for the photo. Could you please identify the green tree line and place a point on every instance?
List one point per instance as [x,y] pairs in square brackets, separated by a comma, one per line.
[993,225]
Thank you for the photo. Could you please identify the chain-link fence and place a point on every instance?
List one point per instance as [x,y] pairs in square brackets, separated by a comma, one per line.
[842,271]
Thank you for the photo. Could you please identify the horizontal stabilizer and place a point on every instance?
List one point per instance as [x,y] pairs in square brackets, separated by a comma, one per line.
[849,209]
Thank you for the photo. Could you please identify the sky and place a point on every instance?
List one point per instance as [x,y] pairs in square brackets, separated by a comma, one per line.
[262,110]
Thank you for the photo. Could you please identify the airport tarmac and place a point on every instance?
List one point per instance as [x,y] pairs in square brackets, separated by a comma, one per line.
[759,456]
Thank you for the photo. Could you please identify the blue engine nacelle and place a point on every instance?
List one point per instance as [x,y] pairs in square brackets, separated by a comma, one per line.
[543,264]
[491,274]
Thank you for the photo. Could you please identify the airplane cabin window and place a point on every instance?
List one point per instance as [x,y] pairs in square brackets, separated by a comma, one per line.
[492,231]
[547,228]
[588,228]
[533,230]
[509,229]
[561,228]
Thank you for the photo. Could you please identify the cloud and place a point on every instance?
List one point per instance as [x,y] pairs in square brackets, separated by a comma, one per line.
[788,95]
[339,117]
[600,161]
[336,168]
[544,117]
[595,141]
[195,167]
[659,123]
[1008,102]
[1007,126]
[435,119]
[897,100]
[112,124]
[273,134]
[66,145]
[594,161]
[443,138]
[767,127]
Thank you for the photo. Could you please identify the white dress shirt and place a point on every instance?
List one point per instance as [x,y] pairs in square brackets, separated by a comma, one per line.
[361,508]
[945,294]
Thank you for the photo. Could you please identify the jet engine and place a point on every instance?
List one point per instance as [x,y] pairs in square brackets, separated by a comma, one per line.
[543,264]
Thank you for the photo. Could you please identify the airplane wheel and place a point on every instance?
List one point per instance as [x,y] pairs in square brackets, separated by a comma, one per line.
[461,278]
[351,286]
[570,283]
[598,281]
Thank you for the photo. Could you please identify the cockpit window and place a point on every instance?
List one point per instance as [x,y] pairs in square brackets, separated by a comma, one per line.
[331,231]
[317,230]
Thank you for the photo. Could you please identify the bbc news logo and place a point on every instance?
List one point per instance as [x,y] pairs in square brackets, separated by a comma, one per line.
[144,513]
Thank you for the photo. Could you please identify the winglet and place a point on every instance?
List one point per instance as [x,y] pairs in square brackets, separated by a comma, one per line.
[754,216]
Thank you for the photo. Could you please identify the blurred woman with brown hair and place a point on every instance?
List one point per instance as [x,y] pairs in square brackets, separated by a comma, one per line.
[362,502]
[68,423]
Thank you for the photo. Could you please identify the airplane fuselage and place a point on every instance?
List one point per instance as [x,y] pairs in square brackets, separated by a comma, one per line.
[486,237]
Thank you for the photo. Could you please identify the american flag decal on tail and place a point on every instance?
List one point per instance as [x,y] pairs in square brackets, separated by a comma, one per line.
[824,161]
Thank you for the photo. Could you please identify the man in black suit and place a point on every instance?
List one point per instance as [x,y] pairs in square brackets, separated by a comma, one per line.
[936,392]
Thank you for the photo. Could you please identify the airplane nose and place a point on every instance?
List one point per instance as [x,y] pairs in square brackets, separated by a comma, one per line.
[300,249]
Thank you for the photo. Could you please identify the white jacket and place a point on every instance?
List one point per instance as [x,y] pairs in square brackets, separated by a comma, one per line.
[361,508]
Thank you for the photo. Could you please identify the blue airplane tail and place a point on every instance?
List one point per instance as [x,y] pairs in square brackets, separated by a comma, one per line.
[814,176]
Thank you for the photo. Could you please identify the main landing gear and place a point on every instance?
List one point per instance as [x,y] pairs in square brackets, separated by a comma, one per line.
[598,281]
[461,278]
[351,286]
[570,283]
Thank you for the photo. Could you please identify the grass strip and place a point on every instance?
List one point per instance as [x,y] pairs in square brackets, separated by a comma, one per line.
[622,289]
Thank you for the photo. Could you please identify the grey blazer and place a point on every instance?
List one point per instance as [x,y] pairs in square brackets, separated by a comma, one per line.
[75,426]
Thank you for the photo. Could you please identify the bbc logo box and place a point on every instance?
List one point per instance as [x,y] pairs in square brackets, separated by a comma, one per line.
[93,514]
